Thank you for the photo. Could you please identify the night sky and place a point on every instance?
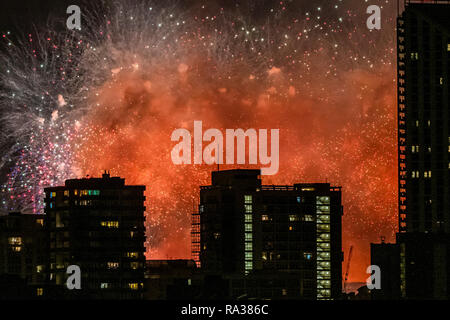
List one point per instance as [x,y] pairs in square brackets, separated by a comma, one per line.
[74,103]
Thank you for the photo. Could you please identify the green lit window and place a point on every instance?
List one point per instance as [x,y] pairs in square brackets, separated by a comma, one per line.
[248,237]
[249,256]
[248,246]
[248,208]
[248,218]
[248,227]
[248,199]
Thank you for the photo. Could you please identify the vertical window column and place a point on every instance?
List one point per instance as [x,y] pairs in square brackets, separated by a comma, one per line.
[248,234]
[323,251]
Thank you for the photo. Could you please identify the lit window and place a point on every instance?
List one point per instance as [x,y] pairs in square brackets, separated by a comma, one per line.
[248,208]
[299,200]
[52,194]
[248,218]
[248,227]
[249,256]
[308,217]
[291,228]
[112,265]
[39,268]
[132,254]
[308,189]
[283,292]
[15,241]
[216,235]
[134,265]
[40,221]
[104,285]
[110,224]
[39,291]
[448,46]
[66,193]
[307,255]
[133,286]
[248,246]
[264,255]
[248,237]
[293,217]
[247,199]
[265,217]
[417,123]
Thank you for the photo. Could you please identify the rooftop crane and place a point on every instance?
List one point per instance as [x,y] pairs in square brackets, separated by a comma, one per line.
[348,268]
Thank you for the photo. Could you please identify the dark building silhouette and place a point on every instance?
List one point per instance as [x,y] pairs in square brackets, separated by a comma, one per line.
[270,241]
[97,224]
[23,254]
[387,257]
[170,279]
[423,41]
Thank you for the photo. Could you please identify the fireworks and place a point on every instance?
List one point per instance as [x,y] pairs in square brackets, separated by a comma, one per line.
[108,97]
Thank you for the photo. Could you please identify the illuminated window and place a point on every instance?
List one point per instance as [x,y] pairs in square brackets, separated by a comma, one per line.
[39,291]
[448,46]
[110,224]
[299,200]
[216,235]
[308,217]
[293,217]
[265,217]
[75,192]
[52,194]
[248,246]
[417,123]
[307,255]
[17,241]
[248,218]
[134,265]
[308,189]
[133,286]
[414,56]
[248,265]
[248,237]
[291,228]
[248,227]
[104,285]
[112,265]
[249,256]
[132,254]
[264,255]
[40,221]
[248,208]
[247,199]
[66,193]
[39,268]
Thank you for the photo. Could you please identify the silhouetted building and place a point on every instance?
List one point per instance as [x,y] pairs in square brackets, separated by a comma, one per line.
[170,279]
[23,252]
[97,224]
[387,257]
[270,241]
[423,42]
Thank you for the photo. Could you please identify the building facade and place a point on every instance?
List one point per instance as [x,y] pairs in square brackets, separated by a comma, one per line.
[23,250]
[270,241]
[98,225]
[423,62]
